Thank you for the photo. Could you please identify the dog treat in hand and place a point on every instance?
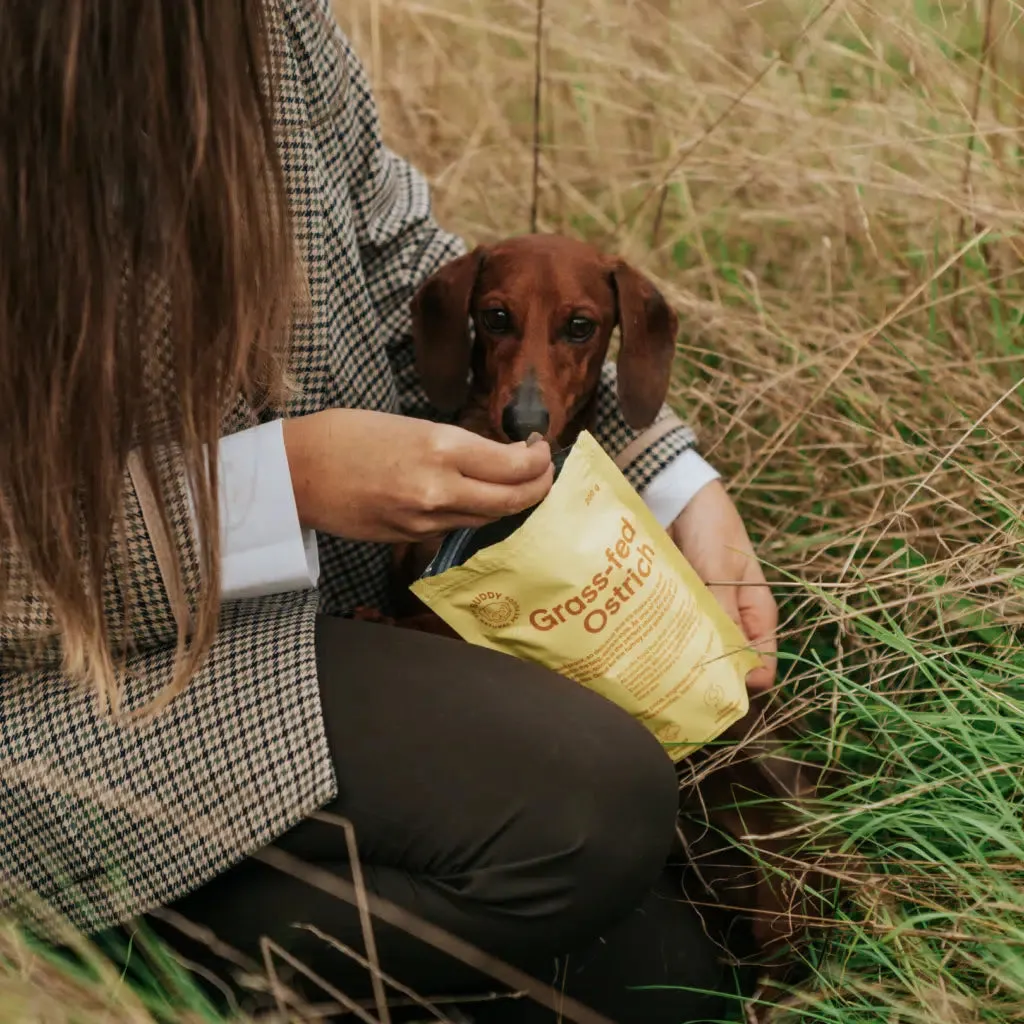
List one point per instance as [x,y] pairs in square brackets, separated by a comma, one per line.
[591,585]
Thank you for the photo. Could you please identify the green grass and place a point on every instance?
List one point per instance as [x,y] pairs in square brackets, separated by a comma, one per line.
[138,982]
[929,800]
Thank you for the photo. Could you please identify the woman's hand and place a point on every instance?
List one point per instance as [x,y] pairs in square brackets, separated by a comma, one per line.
[382,477]
[712,537]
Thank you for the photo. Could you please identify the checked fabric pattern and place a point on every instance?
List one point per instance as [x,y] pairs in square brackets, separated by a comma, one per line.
[104,821]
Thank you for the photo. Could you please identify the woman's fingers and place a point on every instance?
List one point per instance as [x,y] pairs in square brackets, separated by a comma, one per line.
[475,497]
[478,458]
[382,477]
[760,620]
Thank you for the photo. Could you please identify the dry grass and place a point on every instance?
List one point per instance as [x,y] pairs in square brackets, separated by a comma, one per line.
[832,194]
[36,988]
[801,193]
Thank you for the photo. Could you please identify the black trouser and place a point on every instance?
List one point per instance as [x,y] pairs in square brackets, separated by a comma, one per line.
[501,802]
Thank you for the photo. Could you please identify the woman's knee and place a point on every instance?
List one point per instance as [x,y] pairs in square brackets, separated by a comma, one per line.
[624,825]
[514,794]
[593,832]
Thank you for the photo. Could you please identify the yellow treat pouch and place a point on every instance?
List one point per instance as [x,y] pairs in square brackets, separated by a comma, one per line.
[592,586]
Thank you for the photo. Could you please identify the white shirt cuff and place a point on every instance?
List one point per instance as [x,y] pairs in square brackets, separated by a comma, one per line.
[671,490]
[264,550]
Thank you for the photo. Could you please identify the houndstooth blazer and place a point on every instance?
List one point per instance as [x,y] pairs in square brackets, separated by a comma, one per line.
[104,820]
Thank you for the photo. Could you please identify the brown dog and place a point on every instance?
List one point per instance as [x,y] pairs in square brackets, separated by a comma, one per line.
[543,308]
[542,311]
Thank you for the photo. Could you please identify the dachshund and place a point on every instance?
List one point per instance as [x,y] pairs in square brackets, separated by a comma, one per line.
[510,340]
[543,309]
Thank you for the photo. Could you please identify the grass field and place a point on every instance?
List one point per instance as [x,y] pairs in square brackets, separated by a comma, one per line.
[832,194]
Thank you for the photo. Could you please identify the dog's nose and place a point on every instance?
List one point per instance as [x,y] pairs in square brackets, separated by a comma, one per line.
[526,414]
[521,419]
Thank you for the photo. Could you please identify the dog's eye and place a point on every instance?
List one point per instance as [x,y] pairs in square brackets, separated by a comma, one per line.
[497,321]
[580,328]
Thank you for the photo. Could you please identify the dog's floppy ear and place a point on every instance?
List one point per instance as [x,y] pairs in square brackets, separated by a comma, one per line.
[648,326]
[440,330]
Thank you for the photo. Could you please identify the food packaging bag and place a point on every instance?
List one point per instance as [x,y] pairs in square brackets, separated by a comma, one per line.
[589,584]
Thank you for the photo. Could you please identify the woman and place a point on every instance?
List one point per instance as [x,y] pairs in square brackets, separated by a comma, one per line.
[212,429]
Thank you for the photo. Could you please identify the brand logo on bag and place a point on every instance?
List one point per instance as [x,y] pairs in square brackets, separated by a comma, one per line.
[715,696]
[494,609]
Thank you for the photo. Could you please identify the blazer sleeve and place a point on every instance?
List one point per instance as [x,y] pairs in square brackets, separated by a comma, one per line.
[400,242]
[661,462]
[264,550]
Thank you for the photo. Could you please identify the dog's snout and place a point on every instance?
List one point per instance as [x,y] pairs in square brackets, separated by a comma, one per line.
[519,424]
[526,414]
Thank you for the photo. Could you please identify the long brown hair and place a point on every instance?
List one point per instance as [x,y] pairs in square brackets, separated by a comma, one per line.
[147,277]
